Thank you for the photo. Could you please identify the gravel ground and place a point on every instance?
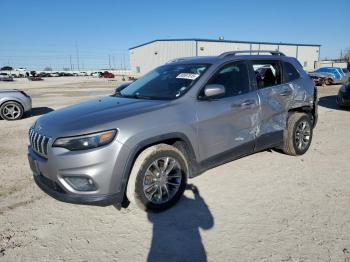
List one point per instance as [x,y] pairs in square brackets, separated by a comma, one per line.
[264,207]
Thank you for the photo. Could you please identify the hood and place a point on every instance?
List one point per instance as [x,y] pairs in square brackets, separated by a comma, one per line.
[322,74]
[93,116]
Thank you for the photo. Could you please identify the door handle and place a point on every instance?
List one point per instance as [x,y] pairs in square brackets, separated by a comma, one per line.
[244,104]
[286,93]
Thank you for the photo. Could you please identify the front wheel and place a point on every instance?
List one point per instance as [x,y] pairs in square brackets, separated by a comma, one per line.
[299,134]
[158,178]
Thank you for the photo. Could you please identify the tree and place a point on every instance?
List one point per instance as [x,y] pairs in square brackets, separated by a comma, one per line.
[48,68]
[347,54]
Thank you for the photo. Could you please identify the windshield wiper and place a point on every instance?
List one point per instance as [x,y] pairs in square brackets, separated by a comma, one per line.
[134,96]
[138,96]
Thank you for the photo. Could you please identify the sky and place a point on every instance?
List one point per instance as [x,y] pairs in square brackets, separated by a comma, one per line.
[36,34]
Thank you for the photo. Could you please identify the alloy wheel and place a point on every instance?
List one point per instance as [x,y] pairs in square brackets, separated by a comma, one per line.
[302,135]
[11,111]
[162,180]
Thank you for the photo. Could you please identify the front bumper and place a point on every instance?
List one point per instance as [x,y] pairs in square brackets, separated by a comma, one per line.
[104,166]
[54,190]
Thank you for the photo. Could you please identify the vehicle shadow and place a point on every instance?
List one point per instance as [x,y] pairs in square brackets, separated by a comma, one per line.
[38,111]
[331,102]
[176,235]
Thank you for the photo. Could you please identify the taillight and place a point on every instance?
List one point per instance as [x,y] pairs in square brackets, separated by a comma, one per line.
[24,93]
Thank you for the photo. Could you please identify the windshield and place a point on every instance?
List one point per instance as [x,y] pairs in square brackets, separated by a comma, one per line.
[165,82]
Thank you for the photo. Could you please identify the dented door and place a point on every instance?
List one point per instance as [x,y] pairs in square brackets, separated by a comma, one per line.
[227,124]
[274,104]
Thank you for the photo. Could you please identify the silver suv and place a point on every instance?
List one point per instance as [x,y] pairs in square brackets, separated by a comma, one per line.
[141,144]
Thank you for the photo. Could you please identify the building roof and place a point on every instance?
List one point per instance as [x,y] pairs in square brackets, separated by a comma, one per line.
[220,41]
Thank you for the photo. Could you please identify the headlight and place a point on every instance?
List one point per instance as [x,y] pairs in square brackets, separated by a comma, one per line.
[343,88]
[86,141]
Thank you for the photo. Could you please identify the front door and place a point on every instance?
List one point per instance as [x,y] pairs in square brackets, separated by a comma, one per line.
[228,123]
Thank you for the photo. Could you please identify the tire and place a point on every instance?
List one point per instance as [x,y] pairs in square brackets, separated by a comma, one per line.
[144,174]
[299,134]
[11,111]
[339,103]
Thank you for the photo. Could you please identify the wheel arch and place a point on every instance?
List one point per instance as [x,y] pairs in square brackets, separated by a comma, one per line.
[309,110]
[11,100]
[178,140]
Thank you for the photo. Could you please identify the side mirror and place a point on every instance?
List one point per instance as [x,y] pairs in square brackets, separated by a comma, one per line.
[213,91]
[122,86]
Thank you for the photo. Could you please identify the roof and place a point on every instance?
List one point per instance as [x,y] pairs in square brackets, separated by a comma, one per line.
[213,59]
[220,41]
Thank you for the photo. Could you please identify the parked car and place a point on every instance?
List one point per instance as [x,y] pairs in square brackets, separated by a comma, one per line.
[43,74]
[5,77]
[143,143]
[6,68]
[343,98]
[96,74]
[346,73]
[35,78]
[319,79]
[80,74]
[338,76]
[14,104]
[107,74]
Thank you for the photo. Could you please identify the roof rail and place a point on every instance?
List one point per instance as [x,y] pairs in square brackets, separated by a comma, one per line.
[178,59]
[272,52]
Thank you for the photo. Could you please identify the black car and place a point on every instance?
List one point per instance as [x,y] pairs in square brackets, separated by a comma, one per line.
[343,98]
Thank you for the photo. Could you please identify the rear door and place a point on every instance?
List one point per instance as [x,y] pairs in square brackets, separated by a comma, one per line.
[275,98]
[228,123]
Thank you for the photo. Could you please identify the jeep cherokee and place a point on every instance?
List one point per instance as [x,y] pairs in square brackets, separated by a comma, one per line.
[141,144]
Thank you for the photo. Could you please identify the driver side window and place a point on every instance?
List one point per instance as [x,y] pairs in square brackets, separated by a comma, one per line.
[234,77]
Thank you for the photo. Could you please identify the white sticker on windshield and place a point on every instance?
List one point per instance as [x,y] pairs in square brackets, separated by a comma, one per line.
[187,76]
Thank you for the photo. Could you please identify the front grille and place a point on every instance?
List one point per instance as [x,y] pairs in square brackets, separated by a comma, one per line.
[39,142]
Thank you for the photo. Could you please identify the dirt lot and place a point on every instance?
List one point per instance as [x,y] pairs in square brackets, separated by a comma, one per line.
[266,207]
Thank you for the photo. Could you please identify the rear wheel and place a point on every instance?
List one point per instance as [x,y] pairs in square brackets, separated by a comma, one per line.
[158,178]
[299,134]
[11,111]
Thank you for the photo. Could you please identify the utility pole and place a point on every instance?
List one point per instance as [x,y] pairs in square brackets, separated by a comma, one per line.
[70,62]
[109,61]
[77,50]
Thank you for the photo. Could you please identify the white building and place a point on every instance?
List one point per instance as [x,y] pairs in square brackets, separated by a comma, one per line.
[145,57]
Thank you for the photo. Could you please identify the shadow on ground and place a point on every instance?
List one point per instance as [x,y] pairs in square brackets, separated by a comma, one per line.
[38,111]
[331,102]
[176,235]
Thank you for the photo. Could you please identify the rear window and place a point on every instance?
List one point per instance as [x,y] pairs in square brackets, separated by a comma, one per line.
[290,73]
[267,73]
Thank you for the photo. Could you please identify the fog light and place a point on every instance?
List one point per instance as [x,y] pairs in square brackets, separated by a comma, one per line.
[80,183]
